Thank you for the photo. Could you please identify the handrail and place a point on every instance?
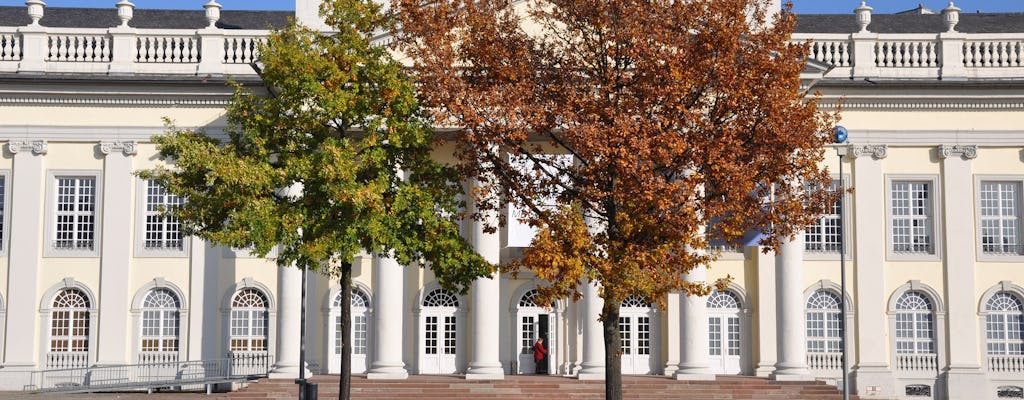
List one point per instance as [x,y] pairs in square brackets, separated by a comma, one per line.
[239,366]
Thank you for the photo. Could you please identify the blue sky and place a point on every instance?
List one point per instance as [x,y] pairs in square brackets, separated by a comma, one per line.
[800,6]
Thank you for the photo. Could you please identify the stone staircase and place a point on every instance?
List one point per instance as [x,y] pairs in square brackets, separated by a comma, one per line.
[545,387]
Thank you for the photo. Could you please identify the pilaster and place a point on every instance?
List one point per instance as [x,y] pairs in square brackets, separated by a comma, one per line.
[389,291]
[115,253]
[871,375]
[965,374]
[196,298]
[27,188]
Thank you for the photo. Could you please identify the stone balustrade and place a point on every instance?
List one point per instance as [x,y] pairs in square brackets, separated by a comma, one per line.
[933,56]
[928,363]
[120,51]
[1008,364]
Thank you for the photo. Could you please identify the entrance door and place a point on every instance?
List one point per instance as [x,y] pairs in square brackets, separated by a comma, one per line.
[439,327]
[533,322]
[635,327]
[724,333]
[360,333]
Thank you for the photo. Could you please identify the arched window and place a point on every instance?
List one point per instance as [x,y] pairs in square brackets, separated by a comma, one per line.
[824,322]
[161,318]
[529,299]
[69,322]
[360,305]
[249,321]
[915,324]
[636,301]
[440,298]
[1004,324]
[720,299]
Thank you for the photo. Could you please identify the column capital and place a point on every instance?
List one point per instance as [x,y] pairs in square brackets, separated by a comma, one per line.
[965,151]
[37,147]
[128,147]
[876,151]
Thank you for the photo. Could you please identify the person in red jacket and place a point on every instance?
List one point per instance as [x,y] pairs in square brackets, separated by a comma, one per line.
[540,354]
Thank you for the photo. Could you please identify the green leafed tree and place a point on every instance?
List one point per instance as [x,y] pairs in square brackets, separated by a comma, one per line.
[333,160]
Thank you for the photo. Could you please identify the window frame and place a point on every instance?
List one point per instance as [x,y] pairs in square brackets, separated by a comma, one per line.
[935,216]
[979,250]
[141,212]
[846,222]
[51,213]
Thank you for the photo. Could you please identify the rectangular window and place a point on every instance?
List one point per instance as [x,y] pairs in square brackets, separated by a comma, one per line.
[999,210]
[527,338]
[912,222]
[715,336]
[826,235]
[163,232]
[75,213]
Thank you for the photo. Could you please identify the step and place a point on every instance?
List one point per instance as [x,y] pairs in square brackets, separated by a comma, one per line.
[451,387]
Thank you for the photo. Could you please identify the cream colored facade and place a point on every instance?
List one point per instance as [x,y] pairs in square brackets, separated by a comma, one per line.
[933,119]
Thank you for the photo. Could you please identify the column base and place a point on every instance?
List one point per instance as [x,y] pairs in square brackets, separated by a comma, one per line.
[791,377]
[388,375]
[391,371]
[591,373]
[694,376]
[287,371]
[694,371]
[485,371]
[764,371]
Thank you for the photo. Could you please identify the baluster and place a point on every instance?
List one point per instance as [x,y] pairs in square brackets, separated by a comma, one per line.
[933,55]
[146,50]
[976,52]
[879,54]
[1002,54]
[247,51]
[986,55]
[5,48]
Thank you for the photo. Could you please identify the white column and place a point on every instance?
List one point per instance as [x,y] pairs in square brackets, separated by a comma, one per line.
[388,289]
[485,362]
[869,246]
[791,338]
[115,254]
[289,318]
[672,338]
[592,367]
[27,186]
[693,357]
[965,375]
[765,311]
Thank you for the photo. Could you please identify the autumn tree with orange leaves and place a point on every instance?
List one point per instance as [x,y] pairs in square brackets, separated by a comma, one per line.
[675,123]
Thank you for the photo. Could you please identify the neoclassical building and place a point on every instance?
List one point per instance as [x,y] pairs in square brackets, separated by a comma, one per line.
[91,274]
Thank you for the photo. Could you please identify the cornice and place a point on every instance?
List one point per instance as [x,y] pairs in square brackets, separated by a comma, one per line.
[113,101]
[849,104]
[37,147]
[965,151]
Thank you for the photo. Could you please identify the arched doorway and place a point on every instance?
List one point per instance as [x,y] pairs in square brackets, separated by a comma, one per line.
[532,322]
[725,333]
[439,333]
[638,329]
[360,332]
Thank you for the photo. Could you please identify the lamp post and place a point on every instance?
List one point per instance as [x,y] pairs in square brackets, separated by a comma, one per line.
[840,139]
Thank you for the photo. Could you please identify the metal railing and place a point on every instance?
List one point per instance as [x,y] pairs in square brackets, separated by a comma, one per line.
[238,367]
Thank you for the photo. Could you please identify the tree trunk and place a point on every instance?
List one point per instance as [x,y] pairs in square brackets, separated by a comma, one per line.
[612,347]
[345,380]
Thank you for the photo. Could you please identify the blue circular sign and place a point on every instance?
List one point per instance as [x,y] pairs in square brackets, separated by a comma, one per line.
[840,134]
